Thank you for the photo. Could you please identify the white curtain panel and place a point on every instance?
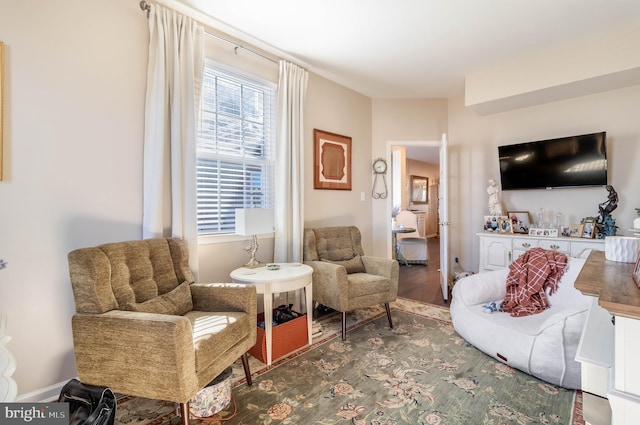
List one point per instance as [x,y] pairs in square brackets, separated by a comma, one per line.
[176,57]
[292,86]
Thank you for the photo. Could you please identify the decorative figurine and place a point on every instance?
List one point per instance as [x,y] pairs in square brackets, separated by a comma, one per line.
[605,224]
[495,199]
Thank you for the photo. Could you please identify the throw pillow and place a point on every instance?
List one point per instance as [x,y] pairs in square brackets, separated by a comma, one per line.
[177,302]
[354,265]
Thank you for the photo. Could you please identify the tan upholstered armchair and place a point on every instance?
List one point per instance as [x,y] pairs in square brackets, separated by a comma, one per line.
[144,328]
[345,279]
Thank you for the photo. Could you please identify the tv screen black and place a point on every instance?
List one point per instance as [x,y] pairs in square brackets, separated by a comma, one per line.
[565,162]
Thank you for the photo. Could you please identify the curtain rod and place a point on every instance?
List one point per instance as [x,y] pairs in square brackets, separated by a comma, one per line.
[144,6]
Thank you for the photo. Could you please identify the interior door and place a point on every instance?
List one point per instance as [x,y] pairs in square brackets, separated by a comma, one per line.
[444,218]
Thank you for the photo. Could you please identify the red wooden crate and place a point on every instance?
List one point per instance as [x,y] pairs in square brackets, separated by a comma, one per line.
[287,337]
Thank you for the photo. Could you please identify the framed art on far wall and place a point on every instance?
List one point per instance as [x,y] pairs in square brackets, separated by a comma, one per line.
[419,188]
[331,161]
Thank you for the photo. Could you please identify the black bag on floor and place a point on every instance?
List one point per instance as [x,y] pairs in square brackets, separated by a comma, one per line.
[284,313]
[88,404]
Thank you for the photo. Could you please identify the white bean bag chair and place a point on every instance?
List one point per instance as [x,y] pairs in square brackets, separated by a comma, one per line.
[543,345]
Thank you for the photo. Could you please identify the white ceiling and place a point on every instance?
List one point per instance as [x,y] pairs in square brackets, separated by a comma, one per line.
[430,155]
[413,48]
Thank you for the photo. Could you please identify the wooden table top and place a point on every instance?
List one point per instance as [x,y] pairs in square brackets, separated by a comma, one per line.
[612,283]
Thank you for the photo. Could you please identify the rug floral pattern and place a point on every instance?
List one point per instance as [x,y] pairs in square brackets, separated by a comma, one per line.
[420,372]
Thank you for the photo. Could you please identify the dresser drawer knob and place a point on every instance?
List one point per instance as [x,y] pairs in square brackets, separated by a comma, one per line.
[526,245]
[555,246]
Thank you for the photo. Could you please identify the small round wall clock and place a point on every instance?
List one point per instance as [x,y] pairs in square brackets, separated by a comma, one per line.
[379,168]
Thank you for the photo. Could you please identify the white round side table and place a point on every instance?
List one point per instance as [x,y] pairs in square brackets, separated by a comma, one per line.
[290,277]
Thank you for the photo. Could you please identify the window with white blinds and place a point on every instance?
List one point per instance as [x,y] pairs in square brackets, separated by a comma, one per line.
[235,150]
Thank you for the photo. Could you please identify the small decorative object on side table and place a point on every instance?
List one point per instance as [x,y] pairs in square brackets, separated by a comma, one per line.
[251,222]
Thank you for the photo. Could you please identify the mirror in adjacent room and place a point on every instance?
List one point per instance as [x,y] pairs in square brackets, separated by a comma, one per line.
[419,187]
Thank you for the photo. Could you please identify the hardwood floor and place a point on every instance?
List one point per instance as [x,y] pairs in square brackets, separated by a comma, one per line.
[422,283]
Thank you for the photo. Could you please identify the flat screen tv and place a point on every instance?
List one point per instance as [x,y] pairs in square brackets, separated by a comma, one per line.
[574,161]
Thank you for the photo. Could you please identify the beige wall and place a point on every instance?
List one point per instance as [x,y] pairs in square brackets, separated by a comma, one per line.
[74,103]
[400,120]
[331,107]
[474,160]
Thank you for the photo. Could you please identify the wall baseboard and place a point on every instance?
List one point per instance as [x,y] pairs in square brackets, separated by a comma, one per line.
[47,394]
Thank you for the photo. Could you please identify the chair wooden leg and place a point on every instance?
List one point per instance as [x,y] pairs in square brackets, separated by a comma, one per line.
[344,325]
[245,365]
[386,306]
[184,413]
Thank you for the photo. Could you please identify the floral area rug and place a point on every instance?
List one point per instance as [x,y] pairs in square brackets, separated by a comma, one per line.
[420,372]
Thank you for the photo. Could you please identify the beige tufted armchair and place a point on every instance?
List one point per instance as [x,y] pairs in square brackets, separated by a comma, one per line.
[343,277]
[143,327]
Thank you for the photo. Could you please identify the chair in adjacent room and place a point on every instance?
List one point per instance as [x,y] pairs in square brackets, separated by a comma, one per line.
[412,248]
[143,327]
[345,279]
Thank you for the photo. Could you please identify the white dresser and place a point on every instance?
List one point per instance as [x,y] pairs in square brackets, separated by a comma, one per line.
[497,251]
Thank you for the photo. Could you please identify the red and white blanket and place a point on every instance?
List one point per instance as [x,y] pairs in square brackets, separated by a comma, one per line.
[530,275]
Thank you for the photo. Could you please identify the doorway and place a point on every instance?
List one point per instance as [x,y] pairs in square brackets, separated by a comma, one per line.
[419,282]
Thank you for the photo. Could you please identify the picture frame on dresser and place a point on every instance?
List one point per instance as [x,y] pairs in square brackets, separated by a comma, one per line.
[575,231]
[588,229]
[636,271]
[534,231]
[521,221]
[505,225]
[491,223]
